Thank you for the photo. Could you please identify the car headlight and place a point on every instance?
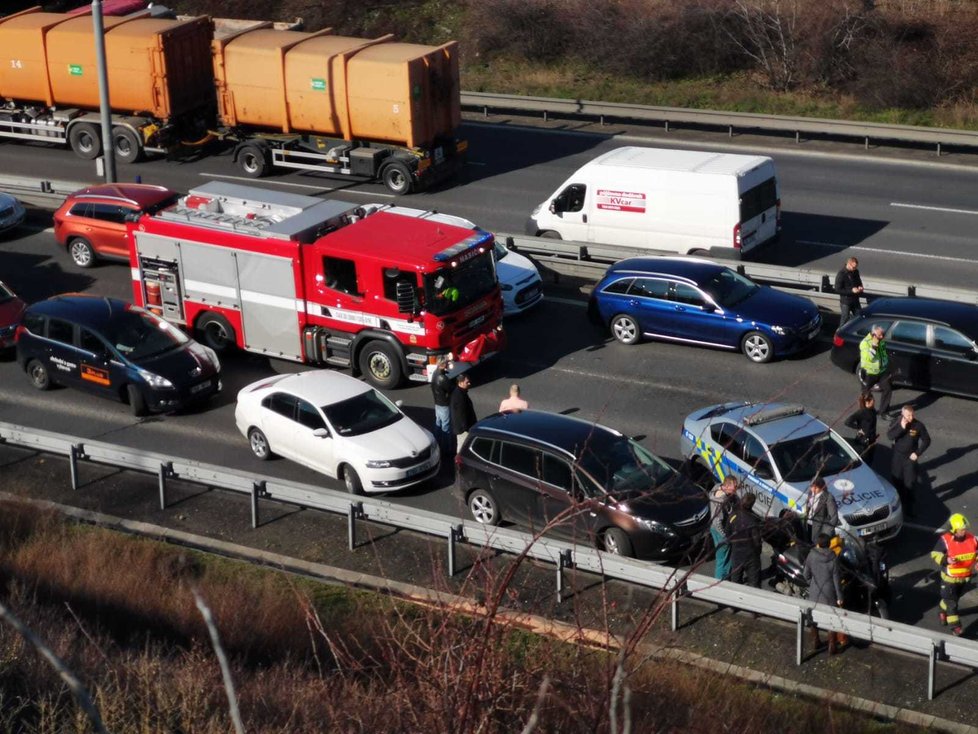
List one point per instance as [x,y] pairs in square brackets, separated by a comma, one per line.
[656,527]
[783,330]
[505,287]
[895,503]
[379,464]
[154,380]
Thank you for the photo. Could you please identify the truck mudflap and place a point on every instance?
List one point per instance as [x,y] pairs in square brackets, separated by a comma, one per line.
[483,347]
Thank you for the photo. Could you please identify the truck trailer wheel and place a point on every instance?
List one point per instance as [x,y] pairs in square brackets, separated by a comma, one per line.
[85,140]
[397,178]
[253,160]
[128,148]
[380,365]
[216,332]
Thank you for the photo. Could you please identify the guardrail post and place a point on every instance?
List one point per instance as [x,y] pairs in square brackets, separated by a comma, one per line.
[455,534]
[938,150]
[545,118]
[936,649]
[257,490]
[681,590]
[166,471]
[803,617]
[797,136]
[667,125]
[730,131]
[912,291]
[866,144]
[76,452]
[355,513]
[563,561]
[827,286]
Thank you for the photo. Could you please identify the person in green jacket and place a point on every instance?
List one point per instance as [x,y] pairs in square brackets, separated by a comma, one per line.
[874,366]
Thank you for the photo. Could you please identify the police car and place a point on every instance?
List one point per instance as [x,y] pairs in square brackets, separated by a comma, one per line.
[776,450]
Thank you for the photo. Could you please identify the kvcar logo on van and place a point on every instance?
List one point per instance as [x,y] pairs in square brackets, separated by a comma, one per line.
[621,201]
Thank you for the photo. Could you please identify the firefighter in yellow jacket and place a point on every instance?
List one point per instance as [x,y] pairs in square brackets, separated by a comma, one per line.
[955,553]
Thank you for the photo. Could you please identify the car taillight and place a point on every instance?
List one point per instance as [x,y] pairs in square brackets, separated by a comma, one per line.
[736,239]
[837,341]
[21,329]
[458,461]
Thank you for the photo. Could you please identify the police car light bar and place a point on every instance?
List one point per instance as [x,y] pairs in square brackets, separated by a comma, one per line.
[772,414]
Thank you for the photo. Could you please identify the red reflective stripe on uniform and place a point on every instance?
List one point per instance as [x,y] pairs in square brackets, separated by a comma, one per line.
[960,555]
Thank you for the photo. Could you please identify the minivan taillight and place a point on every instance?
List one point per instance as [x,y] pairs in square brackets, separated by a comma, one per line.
[458,461]
[21,329]
[838,341]
[779,214]
[736,239]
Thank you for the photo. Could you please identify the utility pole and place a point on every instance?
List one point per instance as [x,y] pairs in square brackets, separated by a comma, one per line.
[108,145]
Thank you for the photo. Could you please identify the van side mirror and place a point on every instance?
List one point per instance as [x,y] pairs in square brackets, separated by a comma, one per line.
[559,204]
[407,297]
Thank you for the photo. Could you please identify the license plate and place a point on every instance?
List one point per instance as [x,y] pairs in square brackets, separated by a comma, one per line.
[413,471]
[200,388]
[872,529]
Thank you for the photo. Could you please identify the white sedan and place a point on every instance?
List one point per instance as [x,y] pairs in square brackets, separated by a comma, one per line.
[337,425]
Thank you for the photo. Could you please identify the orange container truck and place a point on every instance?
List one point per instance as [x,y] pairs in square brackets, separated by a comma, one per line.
[314,101]
[160,88]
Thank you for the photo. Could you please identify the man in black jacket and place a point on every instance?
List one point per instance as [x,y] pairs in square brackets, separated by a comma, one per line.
[910,439]
[744,534]
[849,286]
[441,388]
[463,412]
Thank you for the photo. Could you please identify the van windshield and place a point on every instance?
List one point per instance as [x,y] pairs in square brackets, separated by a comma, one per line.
[622,466]
[754,202]
[450,289]
[138,335]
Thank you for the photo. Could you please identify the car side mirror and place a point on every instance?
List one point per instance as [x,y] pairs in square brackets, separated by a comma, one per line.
[321,433]
[398,403]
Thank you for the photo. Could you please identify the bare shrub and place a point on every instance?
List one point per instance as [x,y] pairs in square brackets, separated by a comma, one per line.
[535,30]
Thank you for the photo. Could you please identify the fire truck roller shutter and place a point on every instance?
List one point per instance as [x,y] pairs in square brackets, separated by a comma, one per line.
[379,357]
[269,309]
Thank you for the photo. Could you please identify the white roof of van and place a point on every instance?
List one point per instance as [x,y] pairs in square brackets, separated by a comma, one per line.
[687,161]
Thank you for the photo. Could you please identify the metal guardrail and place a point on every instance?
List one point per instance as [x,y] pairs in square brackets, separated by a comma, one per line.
[732,121]
[43,194]
[936,646]
[588,261]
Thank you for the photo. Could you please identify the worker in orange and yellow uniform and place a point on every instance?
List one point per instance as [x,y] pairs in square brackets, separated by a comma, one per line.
[955,553]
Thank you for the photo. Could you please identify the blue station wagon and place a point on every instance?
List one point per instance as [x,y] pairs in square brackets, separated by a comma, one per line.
[696,301]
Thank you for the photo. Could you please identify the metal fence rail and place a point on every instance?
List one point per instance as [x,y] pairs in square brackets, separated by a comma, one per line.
[731,121]
[679,585]
[588,261]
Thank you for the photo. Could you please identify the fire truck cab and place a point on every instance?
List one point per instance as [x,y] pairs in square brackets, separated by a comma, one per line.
[318,281]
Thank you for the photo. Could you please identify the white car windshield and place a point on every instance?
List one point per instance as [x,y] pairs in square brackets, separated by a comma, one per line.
[363,413]
[802,459]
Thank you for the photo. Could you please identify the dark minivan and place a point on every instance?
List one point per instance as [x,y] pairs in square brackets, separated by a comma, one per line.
[114,349]
[608,491]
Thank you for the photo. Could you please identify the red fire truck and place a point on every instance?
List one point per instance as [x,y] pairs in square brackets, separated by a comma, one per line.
[324,282]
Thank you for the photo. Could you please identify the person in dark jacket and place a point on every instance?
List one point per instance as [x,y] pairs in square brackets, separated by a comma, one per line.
[744,536]
[823,511]
[849,286]
[863,421]
[463,412]
[910,440]
[824,587]
[723,498]
[441,388]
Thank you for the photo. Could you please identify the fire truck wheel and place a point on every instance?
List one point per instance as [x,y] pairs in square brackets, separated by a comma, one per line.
[216,332]
[137,403]
[128,148]
[85,140]
[81,252]
[397,178]
[380,365]
[38,374]
[351,480]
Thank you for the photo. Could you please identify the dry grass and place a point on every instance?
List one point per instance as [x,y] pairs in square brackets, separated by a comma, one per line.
[309,658]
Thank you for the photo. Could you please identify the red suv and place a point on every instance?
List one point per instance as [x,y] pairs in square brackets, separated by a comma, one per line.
[91,223]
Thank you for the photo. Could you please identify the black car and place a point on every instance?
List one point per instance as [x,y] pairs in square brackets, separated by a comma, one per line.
[602,488]
[111,348]
[931,343]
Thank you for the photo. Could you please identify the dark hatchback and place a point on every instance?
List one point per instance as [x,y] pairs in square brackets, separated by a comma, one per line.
[111,348]
[695,301]
[931,343]
[604,489]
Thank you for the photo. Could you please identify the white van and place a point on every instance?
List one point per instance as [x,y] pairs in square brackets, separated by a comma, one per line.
[675,201]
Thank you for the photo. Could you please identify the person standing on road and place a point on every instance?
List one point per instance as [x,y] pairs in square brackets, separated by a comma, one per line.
[910,440]
[824,587]
[849,286]
[744,530]
[442,387]
[463,412]
[863,421]
[955,553]
[514,403]
[823,511]
[723,499]
[874,366]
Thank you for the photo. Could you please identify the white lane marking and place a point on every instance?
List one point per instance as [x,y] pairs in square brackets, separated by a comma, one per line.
[933,208]
[321,189]
[946,258]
